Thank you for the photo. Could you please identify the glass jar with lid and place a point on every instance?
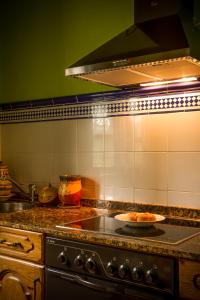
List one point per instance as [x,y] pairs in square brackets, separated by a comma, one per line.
[69,190]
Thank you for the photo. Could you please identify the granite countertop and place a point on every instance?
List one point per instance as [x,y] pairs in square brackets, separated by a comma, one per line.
[44,220]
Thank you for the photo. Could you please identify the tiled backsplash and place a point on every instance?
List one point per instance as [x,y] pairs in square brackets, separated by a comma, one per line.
[152,158]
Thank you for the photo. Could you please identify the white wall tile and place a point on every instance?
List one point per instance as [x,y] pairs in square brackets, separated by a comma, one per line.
[90,135]
[14,138]
[119,194]
[64,136]
[41,167]
[151,197]
[90,166]
[151,170]
[152,159]
[119,169]
[151,133]
[184,199]
[27,137]
[19,166]
[184,131]
[119,134]
[184,171]
[63,164]
[40,137]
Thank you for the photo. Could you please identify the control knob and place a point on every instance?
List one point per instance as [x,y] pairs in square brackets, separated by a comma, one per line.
[124,271]
[152,276]
[91,265]
[137,273]
[111,268]
[79,260]
[62,258]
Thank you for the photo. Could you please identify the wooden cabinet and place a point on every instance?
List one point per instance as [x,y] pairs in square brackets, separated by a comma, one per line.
[189,279]
[21,269]
[21,244]
[20,280]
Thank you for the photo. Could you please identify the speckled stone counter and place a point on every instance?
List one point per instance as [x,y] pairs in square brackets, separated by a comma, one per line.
[45,220]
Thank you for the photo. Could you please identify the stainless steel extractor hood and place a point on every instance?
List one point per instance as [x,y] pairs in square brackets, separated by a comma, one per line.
[163,44]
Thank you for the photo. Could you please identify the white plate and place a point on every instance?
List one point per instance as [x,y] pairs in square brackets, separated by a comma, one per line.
[122,218]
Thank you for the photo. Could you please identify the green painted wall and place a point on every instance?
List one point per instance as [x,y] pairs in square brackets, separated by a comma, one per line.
[41,38]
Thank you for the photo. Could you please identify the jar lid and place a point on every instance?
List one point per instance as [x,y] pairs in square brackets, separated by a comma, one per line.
[70,177]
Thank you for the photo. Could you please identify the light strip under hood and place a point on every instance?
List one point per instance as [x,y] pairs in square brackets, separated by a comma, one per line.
[180,80]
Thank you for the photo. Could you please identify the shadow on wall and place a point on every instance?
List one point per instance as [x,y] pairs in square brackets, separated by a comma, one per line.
[90,188]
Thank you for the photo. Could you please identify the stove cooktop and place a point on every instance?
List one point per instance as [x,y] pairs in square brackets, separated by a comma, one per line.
[159,232]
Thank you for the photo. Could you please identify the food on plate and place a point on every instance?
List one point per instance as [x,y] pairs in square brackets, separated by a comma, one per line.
[123,217]
[138,217]
[142,217]
[132,216]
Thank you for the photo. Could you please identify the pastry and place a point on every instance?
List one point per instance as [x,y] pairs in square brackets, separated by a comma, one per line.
[143,217]
[132,216]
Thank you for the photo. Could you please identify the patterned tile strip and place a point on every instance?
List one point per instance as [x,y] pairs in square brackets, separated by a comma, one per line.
[106,108]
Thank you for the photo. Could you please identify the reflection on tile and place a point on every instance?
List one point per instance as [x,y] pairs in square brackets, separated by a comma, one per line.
[151,133]
[119,194]
[184,131]
[184,199]
[151,170]
[119,169]
[119,134]
[183,171]
[151,197]
[90,135]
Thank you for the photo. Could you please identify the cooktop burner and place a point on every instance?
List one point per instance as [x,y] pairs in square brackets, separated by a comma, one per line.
[159,232]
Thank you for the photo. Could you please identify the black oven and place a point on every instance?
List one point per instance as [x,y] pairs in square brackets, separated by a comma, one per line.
[85,271]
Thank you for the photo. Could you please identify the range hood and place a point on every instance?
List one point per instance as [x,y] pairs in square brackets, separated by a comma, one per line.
[163,44]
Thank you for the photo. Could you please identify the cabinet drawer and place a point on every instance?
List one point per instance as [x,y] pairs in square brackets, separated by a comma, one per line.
[21,243]
[189,279]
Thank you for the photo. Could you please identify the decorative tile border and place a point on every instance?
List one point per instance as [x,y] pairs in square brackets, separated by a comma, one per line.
[105,105]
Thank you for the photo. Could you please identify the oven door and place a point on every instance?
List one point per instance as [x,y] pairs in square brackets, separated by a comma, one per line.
[63,285]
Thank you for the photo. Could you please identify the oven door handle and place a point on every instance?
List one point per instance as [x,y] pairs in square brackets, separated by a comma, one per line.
[114,288]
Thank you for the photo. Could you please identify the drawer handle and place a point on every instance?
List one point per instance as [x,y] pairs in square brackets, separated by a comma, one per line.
[15,245]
